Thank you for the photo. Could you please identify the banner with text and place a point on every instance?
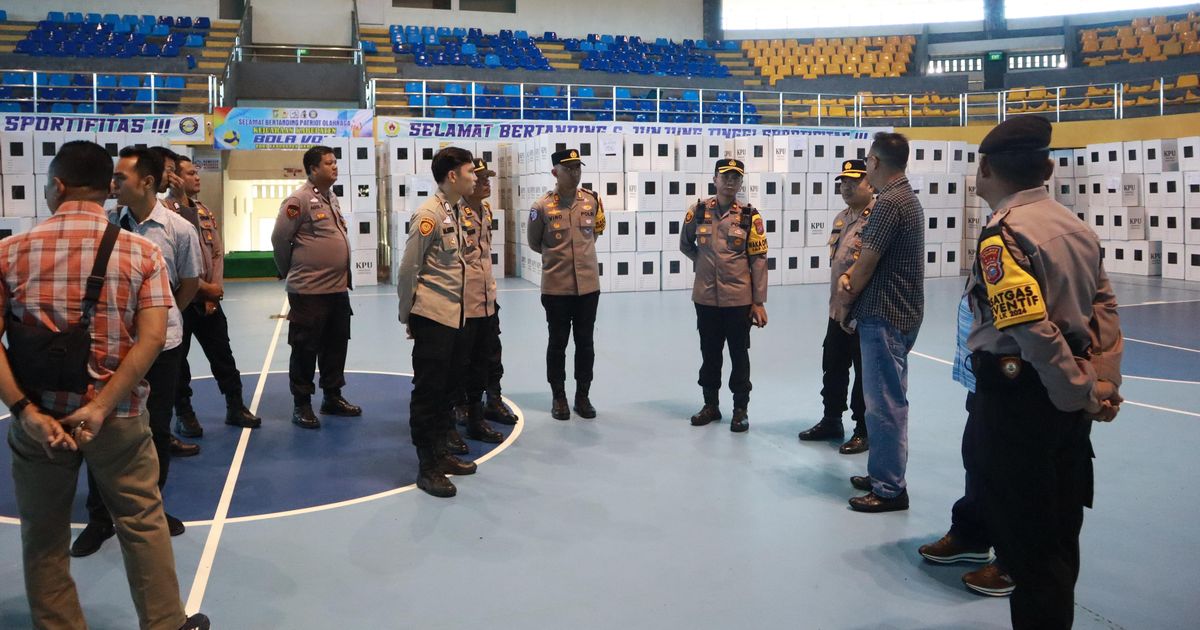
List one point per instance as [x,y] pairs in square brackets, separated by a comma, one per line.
[186,129]
[393,127]
[287,128]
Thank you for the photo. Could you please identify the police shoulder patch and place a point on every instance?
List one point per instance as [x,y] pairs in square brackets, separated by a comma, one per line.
[533,214]
[1014,295]
[293,210]
[425,226]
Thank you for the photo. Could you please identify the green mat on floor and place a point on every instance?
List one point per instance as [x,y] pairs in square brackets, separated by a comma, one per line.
[250,265]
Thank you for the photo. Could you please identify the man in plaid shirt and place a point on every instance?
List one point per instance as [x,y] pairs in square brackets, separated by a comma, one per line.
[886,285]
[43,273]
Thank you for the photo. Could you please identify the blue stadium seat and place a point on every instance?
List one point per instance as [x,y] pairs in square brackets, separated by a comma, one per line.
[106,81]
[93,18]
[197,41]
[74,17]
[459,32]
[416,100]
[167,21]
[112,108]
[57,80]
[183,22]
[443,112]
[130,81]
[144,96]
[10,108]
[438,100]
[462,113]
[202,23]
[3,15]
[112,19]
[56,16]
[85,108]
[170,50]
[521,35]
[444,31]
[368,47]
[160,30]
[492,61]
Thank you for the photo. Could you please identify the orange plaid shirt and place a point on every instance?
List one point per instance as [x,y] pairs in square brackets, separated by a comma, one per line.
[45,272]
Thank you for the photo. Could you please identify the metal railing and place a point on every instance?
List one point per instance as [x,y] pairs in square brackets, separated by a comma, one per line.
[574,102]
[153,91]
[299,54]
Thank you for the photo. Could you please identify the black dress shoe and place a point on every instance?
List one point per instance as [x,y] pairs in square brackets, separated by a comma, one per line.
[824,430]
[499,412]
[460,415]
[856,444]
[559,409]
[455,443]
[174,525]
[708,413]
[861,483]
[583,407]
[239,416]
[303,417]
[338,406]
[479,430]
[91,538]
[451,465]
[871,502]
[183,449]
[196,622]
[739,423]
[187,425]
[436,484]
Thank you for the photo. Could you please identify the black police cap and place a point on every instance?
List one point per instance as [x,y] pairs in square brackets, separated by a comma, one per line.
[566,156]
[729,165]
[1019,134]
[853,169]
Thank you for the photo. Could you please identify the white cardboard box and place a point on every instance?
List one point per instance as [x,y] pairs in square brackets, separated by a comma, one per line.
[611,158]
[662,155]
[16,153]
[754,152]
[1127,224]
[643,191]
[1146,258]
[933,260]
[775,267]
[690,158]
[1160,156]
[816,265]
[624,271]
[1192,264]
[362,156]
[362,193]
[677,271]
[820,152]
[765,190]
[1191,225]
[1191,189]
[773,223]
[1174,261]
[793,265]
[816,196]
[604,261]
[363,230]
[648,277]
[20,195]
[649,231]
[951,263]
[789,154]
[675,187]
[622,231]
[1188,153]
[928,156]
[1099,219]
[611,188]
[1131,157]
[362,265]
[1164,190]
[818,227]
[15,225]
[795,229]
[795,193]
[638,149]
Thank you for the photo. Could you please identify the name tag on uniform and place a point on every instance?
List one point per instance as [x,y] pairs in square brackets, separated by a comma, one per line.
[447,230]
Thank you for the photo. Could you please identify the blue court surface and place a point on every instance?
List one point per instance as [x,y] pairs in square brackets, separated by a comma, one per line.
[637,519]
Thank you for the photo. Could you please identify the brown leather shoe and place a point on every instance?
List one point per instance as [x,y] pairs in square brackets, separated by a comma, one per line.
[180,448]
[855,445]
[873,503]
[949,550]
[991,581]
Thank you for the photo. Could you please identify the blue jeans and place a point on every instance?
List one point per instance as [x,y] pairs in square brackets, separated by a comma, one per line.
[885,386]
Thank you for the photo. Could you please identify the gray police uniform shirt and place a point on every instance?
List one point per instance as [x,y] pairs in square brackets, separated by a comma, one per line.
[312,248]
[1039,290]
[564,232]
[180,246]
[432,269]
[730,251]
[845,246]
[479,288]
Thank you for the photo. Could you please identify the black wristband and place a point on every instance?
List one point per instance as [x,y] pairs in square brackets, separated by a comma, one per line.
[16,408]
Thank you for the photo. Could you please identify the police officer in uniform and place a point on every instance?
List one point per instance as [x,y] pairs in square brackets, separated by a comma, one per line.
[204,318]
[312,250]
[430,284]
[563,228]
[840,349]
[495,409]
[1046,351]
[479,309]
[728,243]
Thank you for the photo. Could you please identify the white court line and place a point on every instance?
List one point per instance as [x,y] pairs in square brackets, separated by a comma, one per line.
[1159,380]
[1127,402]
[1162,345]
[204,570]
[1157,303]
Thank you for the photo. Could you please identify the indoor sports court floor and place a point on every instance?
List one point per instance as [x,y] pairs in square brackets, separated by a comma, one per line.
[636,519]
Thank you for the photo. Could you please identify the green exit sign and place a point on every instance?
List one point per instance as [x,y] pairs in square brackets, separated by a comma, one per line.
[995,56]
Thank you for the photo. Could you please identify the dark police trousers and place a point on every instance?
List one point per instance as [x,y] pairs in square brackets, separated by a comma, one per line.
[722,326]
[495,368]
[162,377]
[438,351]
[212,331]
[319,333]
[1035,465]
[966,517]
[564,314]
[474,360]
[839,353]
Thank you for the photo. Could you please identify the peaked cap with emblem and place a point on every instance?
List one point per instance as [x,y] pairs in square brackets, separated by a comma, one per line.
[566,156]
[728,165]
[1019,134]
[854,169]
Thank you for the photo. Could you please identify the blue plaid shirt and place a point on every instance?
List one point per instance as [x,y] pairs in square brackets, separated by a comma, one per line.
[962,371]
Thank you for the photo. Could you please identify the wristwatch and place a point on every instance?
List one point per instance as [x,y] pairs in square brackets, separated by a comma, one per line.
[16,408]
